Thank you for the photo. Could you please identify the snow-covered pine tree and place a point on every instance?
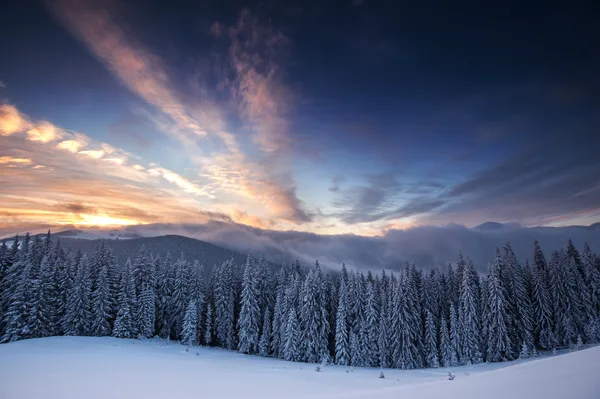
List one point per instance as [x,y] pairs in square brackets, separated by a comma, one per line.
[565,329]
[8,281]
[468,319]
[384,316]
[431,346]
[18,299]
[197,291]
[519,306]
[124,325]
[248,321]
[61,286]
[499,346]
[208,330]
[541,301]
[164,311]
[371,327]
[342,349]
[224,305]
[102,302]
[264,345]
[292,335]
[189,331]
[310,317]
[146,312]
[278,314]
[180,297]
[78,312]
[454,337]
[445,344]
[484,322]
[42,313]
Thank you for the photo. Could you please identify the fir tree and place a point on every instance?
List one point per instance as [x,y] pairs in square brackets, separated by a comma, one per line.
[541,301]
[101,302]
[290,344]
[431,342]
[190,325]
[499,346]
[446,345]
[454,337]
[248,321]
[78,313]
[264,345]
[123,327]
[342,350]
[146,312]
[469,333]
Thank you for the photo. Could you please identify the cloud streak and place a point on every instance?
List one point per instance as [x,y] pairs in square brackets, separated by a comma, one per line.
[257,89]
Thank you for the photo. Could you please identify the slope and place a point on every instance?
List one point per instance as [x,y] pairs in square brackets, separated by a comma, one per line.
[101,368]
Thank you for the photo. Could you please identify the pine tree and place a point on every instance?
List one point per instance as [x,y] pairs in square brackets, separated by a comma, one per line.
[146,312]
[342,350]
[371,327]
[101,302]
[123,327]
[520,315]
[499,346]
[248,321]
[279,315]
[565,329]
[445,345]
[541,301]
[42,312]
[454,337]
[310,318]
[264,345]
[224,305]
[18,298]
[78,313]
[431,342]
[180,297]
[208,328]
[190,325]
[384,317]
[290,344]
[164,310]
[469,333]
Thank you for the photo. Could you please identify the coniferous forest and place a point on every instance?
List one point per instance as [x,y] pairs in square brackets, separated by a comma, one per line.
[409,319]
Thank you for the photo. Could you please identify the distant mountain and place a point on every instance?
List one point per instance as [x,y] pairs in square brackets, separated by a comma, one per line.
[495,226]
[192,249]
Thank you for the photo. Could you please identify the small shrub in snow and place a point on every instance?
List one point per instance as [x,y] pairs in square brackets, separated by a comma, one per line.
[554,352]
[450,377]
[197,353]
[524,351]
[318,368]
[381,375]
[534,352]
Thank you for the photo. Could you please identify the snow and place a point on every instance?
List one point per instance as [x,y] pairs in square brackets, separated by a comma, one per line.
[102,368]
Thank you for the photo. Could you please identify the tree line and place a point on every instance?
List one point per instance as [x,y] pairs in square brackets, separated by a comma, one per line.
[408,319]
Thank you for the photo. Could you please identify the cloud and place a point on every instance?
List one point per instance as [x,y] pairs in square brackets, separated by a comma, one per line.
[11,160]
[75,144]
[262,98]
[43,183]
[44,132]
[11,121]
[425,246]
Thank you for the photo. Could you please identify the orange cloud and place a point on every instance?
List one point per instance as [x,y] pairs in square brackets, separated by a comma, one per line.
[11,121]
[9,160]
[44,132]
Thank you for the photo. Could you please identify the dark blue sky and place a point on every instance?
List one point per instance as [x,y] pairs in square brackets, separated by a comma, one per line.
[347,116]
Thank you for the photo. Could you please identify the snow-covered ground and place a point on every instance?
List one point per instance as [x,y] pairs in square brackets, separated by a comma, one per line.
[108,368]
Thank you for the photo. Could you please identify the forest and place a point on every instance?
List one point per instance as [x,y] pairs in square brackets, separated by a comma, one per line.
[408,319]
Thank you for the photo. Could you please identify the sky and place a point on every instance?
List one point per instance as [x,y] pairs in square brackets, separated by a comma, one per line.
[327,117]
